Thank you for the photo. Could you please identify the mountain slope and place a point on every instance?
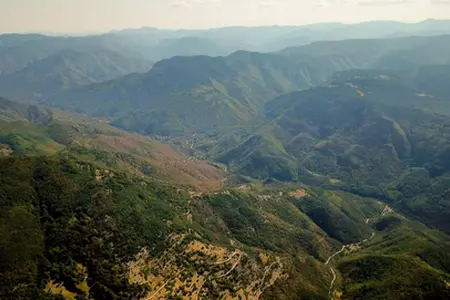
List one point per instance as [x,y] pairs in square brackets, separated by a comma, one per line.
[366,132]
[90,211]
[320,60]
[191,46]
[97,232]
[378,270]
[188,94]
[32,130]
[10,111]
[67,69]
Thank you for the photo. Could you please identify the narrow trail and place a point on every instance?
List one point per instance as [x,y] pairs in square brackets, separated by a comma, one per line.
[336,253]
[226,274]
[232,268]
[330,289]
[332,281]
[156,293]
[265,274]
[385,211]
[228,259]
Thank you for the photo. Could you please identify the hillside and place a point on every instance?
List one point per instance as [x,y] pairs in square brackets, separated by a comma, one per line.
[102,213]
[32,130]
[377,270]
[365,132]
[10,111]
[157,240]
[187,94]
[118,175]
[320,60]
[64,70]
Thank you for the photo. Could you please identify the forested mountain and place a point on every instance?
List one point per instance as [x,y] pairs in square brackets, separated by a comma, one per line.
[172,99]
[67,69]
[367,132]
[16,57]
[239,84]
[79,222]
[182,95]
[10,111]
[320,60]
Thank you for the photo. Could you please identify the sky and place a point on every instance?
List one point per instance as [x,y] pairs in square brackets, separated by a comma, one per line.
[86,16]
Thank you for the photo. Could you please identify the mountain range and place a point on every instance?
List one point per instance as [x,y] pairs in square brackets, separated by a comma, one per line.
[200,93]
[17,51]
[164,164]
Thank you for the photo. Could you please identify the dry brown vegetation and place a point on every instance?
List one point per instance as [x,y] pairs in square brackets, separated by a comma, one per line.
[192,269]
[165,161]
[58,289]
[298,194]
[200,175]
[5,150]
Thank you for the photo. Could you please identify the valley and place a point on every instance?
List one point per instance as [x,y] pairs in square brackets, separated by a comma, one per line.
[353,246]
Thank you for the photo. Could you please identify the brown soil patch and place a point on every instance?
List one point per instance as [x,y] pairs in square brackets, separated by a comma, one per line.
[353,247]
[334,181]
[337,295]
[265,197]
[264,258]
[243,187]
[360,93]
[98,175]
[5,150]
[386,210]
[298,194]
[356,88]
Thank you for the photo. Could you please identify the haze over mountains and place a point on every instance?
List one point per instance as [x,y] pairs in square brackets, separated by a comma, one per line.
[223,91]
[306,162]
[155,44]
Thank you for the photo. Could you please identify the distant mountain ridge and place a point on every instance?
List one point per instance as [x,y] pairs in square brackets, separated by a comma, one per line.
[18,50]
[186,94]
[201,93]
[10,110]
[67,69]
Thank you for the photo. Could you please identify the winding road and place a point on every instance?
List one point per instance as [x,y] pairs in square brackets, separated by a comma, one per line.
[332,281]
[337,253]
[386,210]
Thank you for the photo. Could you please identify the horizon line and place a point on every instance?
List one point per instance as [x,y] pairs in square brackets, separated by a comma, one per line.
[90,33]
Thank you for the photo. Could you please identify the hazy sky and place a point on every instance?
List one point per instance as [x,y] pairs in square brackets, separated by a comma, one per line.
[104,15]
